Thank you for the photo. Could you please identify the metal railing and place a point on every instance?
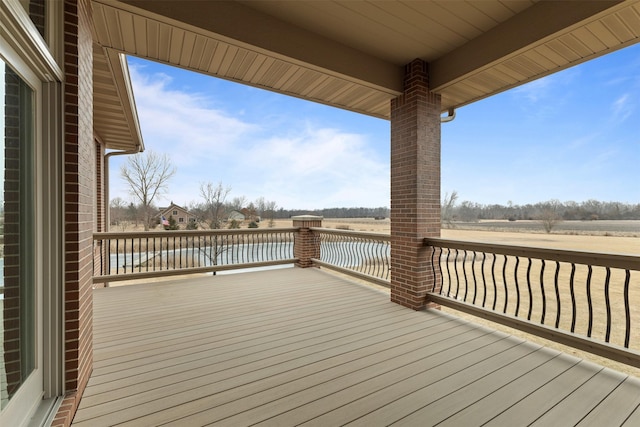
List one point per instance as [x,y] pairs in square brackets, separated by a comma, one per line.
[589,301]
[363,255]
[126,255]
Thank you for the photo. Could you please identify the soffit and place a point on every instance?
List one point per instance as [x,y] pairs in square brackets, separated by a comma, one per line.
[351,54]
[115,118]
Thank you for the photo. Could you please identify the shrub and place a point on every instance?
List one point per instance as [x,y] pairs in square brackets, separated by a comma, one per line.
[253,224]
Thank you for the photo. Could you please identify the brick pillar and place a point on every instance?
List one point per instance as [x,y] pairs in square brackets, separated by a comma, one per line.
[415,186]
[305,243]
[79,188]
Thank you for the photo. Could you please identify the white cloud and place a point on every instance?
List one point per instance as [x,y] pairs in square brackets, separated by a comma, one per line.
[297,165]
[181,122]
[622,108]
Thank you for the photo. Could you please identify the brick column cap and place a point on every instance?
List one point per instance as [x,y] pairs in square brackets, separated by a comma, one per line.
[307,218]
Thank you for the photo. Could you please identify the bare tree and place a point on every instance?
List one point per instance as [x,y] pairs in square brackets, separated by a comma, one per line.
[118,213]
[238,203]
[550,216]
[214,203]
[148,176]
[214,210]
[269,212]
[447,207]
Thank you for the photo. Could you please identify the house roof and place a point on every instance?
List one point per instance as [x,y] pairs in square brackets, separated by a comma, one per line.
[172,206]
[351,54]
[115,118]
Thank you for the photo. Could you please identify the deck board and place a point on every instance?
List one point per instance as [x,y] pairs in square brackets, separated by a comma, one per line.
[301,346]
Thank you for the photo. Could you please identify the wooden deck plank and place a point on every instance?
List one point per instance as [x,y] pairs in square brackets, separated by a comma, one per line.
[270,395]
[254,334]
[218,371]
[487,406]
[292,346]
[395,401]
[615,408]
[468,396]
[543,399]
[411,338]
[583,400]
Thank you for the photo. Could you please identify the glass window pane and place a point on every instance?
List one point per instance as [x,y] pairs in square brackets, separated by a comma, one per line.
[17,281]
[36,9]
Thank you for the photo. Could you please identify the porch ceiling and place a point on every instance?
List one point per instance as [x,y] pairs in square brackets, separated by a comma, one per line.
[351,54]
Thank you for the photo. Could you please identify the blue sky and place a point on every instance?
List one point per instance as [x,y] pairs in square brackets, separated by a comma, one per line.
[574,135]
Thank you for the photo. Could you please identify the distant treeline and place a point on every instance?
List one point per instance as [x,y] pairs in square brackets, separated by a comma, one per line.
[585,211]
[382,212]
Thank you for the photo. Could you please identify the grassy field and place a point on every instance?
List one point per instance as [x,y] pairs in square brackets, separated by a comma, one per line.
[621,237]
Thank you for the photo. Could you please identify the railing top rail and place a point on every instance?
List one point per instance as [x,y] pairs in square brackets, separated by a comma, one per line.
[627,262]
[189,233]
[352,233]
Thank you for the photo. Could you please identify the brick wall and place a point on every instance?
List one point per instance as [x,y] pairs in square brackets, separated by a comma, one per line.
[415,186]
[37,14]
[80,173]
[306,245]
[13,292]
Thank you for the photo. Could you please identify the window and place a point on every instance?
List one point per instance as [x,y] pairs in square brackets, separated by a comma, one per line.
[175,213]
[18,285]
[181,219]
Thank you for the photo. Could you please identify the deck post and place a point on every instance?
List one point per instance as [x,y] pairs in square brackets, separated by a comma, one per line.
[305,244]
[415,186]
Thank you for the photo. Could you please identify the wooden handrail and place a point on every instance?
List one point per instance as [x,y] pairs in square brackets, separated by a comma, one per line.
[624,261]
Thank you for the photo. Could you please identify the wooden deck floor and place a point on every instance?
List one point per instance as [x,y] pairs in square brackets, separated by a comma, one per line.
[293,346]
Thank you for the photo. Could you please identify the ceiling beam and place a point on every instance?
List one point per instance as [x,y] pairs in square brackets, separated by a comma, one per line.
[239,24]
[526,30]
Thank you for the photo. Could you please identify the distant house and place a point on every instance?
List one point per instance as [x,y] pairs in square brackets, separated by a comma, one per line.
[180,214]
[236,215]
[244,214]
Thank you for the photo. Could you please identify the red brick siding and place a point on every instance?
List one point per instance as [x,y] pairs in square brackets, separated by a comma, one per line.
[79,148]
[415,186]
[37,11]
[306,245]
[11,233]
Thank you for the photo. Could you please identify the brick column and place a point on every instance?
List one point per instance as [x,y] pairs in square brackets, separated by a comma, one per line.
[415,186]
[80,175]
[305,244]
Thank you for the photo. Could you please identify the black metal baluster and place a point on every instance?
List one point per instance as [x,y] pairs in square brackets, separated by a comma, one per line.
[484,280]
[515,278]
[504,280]
[574,308]
[464,273]
[607,302]
[448,273]
[433,267]
[557,294]
[495,284]
[475,282]
[589,301]
[117,256]
[455,268]
[627,334]
[529,288]
[543,296]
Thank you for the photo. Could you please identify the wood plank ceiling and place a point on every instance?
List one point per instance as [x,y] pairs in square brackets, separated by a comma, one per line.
[351,54]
